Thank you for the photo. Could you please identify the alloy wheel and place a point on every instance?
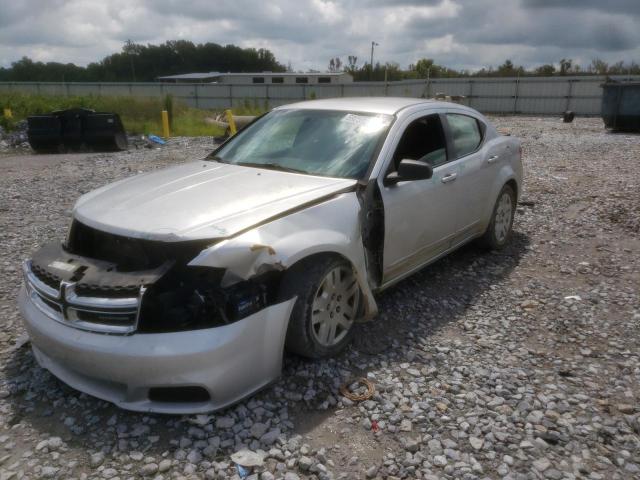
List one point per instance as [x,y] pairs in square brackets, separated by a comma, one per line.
[335,306]
[504,213]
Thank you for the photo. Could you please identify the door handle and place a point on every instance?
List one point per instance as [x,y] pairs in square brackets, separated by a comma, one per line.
[449,178]
[492,158]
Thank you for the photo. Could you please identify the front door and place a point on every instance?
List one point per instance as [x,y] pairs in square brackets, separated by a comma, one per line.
[420,216]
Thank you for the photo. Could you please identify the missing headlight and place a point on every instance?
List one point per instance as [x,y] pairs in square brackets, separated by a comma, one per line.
[191,298]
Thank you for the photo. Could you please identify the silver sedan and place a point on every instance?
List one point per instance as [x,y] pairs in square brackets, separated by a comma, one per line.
[178,290]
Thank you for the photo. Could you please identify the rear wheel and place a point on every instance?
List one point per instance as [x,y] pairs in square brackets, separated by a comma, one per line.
[327,305]
[499,230]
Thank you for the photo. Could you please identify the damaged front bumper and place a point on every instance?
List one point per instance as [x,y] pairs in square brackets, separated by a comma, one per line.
[178,327]
[179,372]
[161,338]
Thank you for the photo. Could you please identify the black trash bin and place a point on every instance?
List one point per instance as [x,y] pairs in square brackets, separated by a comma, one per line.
[73,126]
[75,129]
[621,105]
[104,131]
[44,133]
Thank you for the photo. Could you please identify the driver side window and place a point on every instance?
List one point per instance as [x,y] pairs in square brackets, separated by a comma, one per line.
[422,140]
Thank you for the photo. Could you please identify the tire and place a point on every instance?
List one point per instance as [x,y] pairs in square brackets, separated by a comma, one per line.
[498,233]
[328,294]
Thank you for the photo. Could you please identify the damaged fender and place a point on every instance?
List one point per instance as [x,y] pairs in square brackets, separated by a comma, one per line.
[332,226]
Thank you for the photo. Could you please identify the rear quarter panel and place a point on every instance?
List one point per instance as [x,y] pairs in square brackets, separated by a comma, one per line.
[509,167]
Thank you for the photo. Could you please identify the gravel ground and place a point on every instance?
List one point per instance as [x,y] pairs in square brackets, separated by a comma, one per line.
[522,364]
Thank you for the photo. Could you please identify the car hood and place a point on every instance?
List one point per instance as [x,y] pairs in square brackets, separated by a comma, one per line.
[200,200]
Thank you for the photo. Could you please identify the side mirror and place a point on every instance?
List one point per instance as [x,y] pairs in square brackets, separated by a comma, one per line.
[409,170]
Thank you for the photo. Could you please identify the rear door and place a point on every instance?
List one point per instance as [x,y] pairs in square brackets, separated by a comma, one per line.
[475,162]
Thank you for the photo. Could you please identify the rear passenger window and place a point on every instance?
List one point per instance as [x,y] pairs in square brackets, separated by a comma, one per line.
[465,132]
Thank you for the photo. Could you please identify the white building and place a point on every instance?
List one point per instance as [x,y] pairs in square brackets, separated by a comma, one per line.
[259,78]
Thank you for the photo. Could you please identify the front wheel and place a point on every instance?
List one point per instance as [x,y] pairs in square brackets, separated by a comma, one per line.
[328,301]
[499,230]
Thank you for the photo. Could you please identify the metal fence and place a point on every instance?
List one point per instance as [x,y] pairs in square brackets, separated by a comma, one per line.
[522,95]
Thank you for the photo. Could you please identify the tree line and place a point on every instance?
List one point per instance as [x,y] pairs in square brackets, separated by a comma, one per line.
[427,68]
[143,63]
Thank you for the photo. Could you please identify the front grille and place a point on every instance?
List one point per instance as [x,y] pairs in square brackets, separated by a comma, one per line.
[79,307]
[48,278]
[97,281]
[89,290]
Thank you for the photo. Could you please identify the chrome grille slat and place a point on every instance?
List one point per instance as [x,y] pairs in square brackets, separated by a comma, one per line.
[44,307]
[97,302]
[66,299]
[37,284]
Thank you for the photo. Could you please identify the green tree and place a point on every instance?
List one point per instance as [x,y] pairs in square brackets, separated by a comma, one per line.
[424,67]
[508,69]
[565,66]
[335,65]
[598,66]
[545,70]
[146,62]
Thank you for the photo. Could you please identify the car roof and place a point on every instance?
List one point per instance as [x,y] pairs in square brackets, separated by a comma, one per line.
[381,105]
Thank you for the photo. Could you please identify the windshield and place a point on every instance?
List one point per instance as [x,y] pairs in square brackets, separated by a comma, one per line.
[316,142]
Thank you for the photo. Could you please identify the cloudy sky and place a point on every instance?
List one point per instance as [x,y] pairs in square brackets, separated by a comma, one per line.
[458,33]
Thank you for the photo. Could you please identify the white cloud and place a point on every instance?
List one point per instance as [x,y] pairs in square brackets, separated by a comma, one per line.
[456,33]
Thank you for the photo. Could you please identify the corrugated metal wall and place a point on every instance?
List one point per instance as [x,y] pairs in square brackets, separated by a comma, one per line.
[525,95]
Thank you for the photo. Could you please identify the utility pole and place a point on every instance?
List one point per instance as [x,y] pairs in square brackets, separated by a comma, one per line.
[128,48]
[133,69]
[428,83]
[373,44]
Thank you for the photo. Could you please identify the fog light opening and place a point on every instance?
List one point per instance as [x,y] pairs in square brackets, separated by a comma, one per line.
[179,394]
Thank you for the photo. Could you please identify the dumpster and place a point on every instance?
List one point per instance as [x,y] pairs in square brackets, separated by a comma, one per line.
[75,129]
[621,105]
[72,123]
[44,133]
[104,131]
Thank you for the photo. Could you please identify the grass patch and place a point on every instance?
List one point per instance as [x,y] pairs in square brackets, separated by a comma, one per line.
[139,115]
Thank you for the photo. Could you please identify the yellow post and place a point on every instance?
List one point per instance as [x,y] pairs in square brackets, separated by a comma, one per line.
[165,124]
[232,123]
[8,113]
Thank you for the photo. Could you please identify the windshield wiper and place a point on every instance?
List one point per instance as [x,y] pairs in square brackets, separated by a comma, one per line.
[271,166]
